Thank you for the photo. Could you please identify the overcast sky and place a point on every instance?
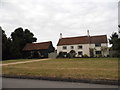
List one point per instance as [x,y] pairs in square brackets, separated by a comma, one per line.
[48,18]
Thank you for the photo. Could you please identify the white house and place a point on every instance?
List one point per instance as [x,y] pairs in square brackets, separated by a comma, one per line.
[92,46]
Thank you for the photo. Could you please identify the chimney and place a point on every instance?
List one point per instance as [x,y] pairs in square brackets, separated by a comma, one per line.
[88,33]
[60,35]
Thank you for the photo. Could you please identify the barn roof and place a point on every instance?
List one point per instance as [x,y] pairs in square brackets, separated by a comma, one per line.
[82,40]
[37,46]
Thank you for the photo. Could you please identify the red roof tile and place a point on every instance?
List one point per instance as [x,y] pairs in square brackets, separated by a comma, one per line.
[98,39]
[37,46]
[82,40]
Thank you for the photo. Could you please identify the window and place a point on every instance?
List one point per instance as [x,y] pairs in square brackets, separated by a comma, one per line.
[79,47]
[64,47]
[98,52]
[79,53]
[98,44]
[72,47]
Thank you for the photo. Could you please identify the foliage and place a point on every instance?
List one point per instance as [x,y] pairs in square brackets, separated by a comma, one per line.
[85,56]
[72,53]
[12,47]
[19,39]
[60,55]
[68,55]
[103,50]
[115,41]
[29,37]
[6,43]
[91,52]
[99,55]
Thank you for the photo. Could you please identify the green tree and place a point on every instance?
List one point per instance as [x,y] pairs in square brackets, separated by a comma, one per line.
[19,39]
[115,41]
[29,37]
[6,45]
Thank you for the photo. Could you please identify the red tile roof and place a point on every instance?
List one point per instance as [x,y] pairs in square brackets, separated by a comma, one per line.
[37,46]
[82,40]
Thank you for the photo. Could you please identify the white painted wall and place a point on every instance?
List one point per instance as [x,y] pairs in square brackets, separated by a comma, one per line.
[105,53]
[85,48]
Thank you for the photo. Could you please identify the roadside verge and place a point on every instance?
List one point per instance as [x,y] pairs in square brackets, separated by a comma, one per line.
[105,82]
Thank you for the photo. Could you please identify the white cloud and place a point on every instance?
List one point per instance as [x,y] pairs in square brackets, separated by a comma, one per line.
[47,18]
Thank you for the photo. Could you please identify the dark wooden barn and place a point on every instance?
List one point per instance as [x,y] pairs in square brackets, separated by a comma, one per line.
[38,50]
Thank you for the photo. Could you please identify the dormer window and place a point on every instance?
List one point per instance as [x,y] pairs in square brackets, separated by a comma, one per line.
[97,44]
[64,47]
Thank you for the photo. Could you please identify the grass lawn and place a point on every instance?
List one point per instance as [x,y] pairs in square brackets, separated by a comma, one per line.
[15,60]
[80,68]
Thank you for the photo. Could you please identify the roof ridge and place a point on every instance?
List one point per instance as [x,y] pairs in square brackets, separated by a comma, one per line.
[37,46]
[42,42]
[83,36]
[75,37]
[83,40]
[98,35]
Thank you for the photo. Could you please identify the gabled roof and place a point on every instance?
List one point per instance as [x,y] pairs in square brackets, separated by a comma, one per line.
[82,40]
[98,39]
[37,46]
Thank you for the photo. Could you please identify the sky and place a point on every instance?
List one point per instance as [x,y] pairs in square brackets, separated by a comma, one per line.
[119,17]
[46,19]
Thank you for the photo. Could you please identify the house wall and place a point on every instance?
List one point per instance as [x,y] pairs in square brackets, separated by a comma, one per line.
[104,53]
[52,54]
[85,49]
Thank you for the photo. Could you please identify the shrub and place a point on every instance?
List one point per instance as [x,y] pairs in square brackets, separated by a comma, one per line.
[98,55]
[72,53]
[68,55]
[91,50]
[85,56]
[61,55]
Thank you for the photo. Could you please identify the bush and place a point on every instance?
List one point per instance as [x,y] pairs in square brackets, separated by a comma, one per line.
[72,53]
[98,55]
[108,55]
[85,56]
[68,55]
[60,55]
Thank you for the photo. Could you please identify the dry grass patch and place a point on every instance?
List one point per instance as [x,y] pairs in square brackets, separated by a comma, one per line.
[15,60]
[82,68]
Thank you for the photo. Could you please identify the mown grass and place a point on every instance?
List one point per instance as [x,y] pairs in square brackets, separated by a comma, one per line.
[81,68]
[15,60]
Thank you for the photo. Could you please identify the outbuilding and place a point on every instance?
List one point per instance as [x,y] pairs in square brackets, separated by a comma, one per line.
[38,50]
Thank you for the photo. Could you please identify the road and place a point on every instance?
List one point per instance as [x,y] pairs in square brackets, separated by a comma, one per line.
[30,83]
